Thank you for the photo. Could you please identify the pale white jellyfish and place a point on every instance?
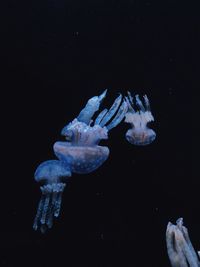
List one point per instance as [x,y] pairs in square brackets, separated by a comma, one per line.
[140,134]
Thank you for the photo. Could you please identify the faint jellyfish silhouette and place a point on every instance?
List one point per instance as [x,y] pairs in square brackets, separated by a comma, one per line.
[179,247]
[140,134]
[80,153]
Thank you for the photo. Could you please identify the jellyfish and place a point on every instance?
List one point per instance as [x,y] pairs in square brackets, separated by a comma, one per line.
[80,153]
[179,247]
[140,134]
[52,173]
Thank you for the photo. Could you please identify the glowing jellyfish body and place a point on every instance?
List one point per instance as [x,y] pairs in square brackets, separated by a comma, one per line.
[80,153]
[140,134]
[51,173]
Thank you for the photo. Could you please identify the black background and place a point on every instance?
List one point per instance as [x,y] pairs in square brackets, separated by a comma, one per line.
[55,56]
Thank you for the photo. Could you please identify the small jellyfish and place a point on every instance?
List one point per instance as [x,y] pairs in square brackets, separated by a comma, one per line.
[179,247]
[80,153]
[140,134]
[53,173]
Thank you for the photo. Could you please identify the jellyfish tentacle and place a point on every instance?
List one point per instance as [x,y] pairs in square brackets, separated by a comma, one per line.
[179,247]
[103,95]
[91,107]
[174,250]
[139,103]
[191,249]
[58,204]
[39,212]
[130,107]
[147,103]
[111,111]
[119,116]
[58,199]
[100,116]
[189,252]
[49,206]
[45,208]
[50,215]
[130,98]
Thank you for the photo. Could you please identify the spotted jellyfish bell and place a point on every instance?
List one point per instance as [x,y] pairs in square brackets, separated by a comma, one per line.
[52,173]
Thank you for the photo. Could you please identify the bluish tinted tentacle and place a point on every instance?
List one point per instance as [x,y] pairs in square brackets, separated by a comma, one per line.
[147,104]
[49,217]
[139,103]
[130,108]
[45,209]
[179,247]
[39,212]
[102,96]
[119,116]
[91,107]
[130,99]
[111,111]
[58,204]
[189,252]
[100,116]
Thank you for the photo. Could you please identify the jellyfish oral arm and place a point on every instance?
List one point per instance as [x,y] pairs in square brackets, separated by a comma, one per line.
[80,134]
[179,247]
[49,205]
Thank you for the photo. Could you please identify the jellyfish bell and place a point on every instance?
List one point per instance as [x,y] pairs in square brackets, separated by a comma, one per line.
[83,159]
[141,137]
[140,134]
[52,173]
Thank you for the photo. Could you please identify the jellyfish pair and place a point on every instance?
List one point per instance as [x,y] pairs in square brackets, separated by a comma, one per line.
[81,152]
[179,247]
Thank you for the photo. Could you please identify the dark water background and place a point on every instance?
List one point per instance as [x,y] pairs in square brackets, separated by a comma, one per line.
[55,56]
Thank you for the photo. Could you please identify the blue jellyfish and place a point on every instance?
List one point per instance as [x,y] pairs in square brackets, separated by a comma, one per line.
[140,134]
[179,247]
[80,153]
[52,173]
